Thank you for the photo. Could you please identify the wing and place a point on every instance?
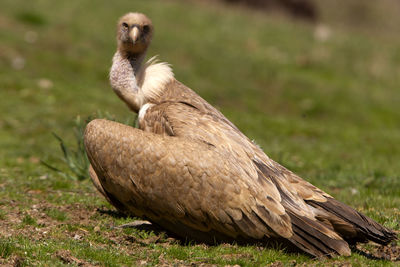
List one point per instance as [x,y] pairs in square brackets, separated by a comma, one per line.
[176,92]
[182,119]
[195,191]
[193,172]
[168,177]
[316,218]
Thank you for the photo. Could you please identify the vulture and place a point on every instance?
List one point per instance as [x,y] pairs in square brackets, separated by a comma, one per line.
[191,171]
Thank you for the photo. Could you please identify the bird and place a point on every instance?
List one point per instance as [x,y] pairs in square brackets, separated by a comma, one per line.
[190,170]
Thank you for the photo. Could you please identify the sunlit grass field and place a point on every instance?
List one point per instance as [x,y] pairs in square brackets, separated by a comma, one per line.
[322,101]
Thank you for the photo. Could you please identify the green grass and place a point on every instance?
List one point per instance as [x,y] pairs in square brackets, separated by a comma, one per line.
[6,248]
[28,220]
[57,214]
[326,110]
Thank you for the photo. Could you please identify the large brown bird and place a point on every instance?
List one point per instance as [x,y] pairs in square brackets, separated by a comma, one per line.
[191,171]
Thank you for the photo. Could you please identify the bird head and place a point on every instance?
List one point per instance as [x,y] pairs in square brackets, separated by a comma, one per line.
[134,33]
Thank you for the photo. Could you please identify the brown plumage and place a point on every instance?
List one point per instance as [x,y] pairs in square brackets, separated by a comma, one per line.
[190,170]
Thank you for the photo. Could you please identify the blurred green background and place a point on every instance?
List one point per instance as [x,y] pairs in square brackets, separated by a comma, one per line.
[321,97]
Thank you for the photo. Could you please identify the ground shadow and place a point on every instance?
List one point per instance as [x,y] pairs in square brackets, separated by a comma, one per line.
[381,253]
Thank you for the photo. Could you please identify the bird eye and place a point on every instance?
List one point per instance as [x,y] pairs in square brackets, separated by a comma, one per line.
[125,25]
[146,29]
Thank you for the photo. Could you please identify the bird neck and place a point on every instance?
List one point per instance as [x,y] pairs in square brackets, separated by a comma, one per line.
[136,61]
[136,82]
[124,78]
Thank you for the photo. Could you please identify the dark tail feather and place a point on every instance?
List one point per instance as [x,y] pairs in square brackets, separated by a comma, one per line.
[313,237]
[364,228]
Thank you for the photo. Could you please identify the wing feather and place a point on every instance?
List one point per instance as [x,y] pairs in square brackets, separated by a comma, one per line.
[200,199]
[274,190]
[190,168]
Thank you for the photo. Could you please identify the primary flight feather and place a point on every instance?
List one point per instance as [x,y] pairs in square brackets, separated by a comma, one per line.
[190,170]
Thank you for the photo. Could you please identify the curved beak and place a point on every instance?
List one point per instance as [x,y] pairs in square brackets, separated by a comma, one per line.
[134,34]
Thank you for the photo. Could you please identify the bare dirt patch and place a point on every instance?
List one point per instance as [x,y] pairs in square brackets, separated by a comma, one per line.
[66,257]
[390,252]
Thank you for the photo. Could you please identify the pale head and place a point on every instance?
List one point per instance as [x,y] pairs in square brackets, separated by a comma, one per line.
[134,33]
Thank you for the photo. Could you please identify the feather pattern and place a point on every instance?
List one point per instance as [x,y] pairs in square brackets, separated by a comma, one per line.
[153,77]
[192,171]
[188,165]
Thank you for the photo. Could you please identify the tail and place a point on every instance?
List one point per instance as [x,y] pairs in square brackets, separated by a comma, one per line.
[315,238]
[352,225]
[335,226]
